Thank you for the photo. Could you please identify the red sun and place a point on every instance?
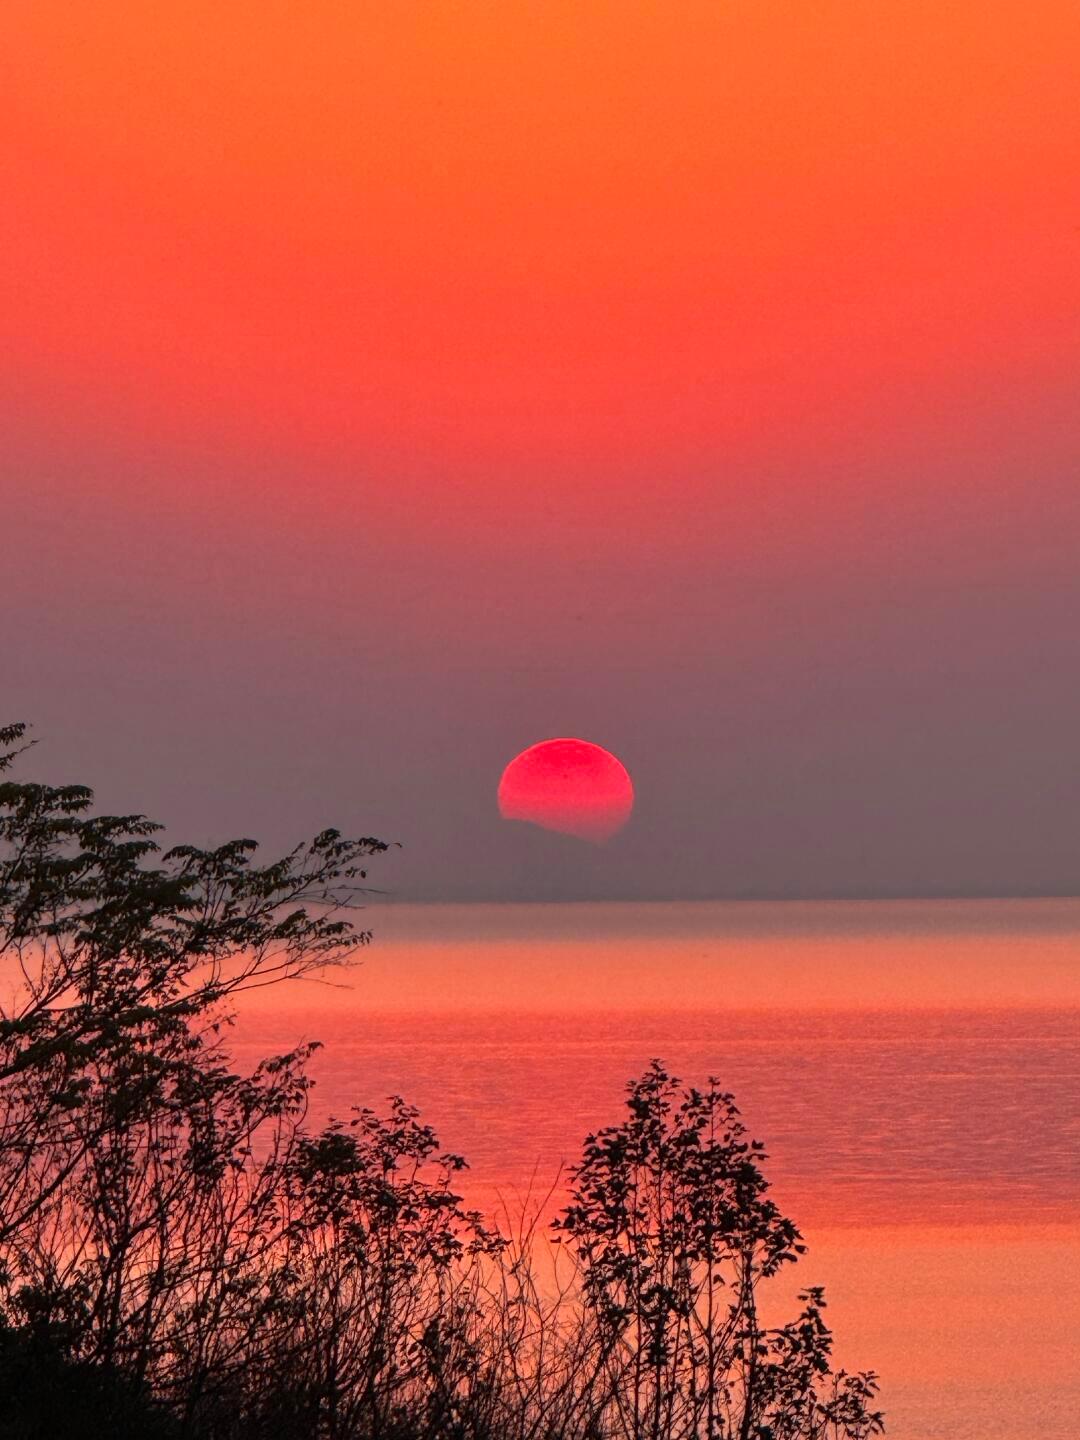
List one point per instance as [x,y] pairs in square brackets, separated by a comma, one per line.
[571,786]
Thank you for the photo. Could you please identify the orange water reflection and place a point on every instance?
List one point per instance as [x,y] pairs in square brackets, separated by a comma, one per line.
[559,958]
[914,1071]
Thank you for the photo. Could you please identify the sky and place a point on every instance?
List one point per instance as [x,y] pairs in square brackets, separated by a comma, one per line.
[387,387]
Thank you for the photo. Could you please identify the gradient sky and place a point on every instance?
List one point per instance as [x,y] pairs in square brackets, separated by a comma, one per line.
[386,387]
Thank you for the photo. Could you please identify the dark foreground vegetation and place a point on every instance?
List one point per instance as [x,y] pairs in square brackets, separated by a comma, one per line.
[181,1259]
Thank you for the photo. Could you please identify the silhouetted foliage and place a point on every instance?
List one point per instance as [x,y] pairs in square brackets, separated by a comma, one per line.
[45,1394]
[673,1230]
[182,1259]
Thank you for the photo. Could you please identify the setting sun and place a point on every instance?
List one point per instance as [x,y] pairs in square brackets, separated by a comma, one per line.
[572,786]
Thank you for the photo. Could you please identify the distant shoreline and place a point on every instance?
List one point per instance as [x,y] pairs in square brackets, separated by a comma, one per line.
[750,898]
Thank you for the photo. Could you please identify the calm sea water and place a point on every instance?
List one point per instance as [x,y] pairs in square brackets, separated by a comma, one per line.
[914,1070]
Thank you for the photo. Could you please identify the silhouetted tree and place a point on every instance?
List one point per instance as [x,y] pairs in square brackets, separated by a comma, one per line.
[673,1230]
[130,1194]
[126,955]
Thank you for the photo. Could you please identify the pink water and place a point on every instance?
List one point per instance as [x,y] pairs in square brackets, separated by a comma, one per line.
[913,1069]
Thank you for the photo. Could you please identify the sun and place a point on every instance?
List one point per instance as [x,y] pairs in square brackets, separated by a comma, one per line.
[568,785]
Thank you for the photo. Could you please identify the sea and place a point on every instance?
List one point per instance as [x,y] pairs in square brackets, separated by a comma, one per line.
[913,1069]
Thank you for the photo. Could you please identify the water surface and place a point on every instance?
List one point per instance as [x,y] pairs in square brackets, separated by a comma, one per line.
[914,1070]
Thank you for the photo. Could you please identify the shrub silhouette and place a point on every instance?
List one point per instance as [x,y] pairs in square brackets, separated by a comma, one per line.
[46,1394]
[182,1259]
[673,1231]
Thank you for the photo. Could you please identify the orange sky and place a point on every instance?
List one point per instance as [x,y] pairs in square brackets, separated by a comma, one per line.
[733,339]
[480,233]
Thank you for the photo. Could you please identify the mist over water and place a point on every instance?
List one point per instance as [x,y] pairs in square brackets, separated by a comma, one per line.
[914,1070]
